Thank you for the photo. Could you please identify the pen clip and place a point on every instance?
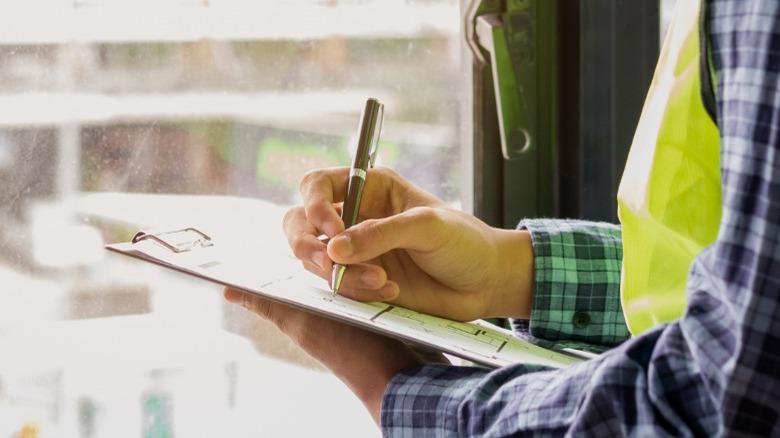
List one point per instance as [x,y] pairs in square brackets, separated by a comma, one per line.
[374,148]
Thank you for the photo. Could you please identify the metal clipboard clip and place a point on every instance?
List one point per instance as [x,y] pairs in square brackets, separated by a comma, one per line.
[177,241]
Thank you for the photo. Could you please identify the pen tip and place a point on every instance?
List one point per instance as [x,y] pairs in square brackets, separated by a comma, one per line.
[338,274]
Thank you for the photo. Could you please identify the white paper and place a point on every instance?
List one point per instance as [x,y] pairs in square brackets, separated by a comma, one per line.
[282,278]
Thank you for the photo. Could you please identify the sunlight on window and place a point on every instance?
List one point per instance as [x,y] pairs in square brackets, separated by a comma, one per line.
[119,115]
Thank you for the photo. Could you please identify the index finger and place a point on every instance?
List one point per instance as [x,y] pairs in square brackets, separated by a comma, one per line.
[320,189]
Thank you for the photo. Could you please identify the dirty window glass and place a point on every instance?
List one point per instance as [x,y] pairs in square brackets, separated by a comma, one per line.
[117,115]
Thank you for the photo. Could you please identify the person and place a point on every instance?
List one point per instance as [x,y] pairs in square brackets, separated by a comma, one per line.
[713,370]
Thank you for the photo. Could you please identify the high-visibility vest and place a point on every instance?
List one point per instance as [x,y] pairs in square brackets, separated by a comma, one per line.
[669,200]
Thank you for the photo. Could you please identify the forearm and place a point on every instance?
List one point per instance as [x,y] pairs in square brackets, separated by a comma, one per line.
[368,366]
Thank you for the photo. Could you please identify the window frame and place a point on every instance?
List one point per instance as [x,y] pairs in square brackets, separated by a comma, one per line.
[592,85]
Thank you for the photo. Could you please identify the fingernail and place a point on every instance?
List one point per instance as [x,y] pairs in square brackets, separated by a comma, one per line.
[319,259]
[389,292]
[370,278]
[329,228]
[234,296]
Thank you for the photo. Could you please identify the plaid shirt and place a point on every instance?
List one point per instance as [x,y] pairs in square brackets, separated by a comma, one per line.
[714,372]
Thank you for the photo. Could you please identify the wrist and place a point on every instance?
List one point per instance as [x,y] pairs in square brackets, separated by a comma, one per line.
[369,375]
[513,292]
[364,361]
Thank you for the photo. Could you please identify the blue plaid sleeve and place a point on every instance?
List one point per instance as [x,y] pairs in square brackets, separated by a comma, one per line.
[576,283]
[716,371]
[527,400]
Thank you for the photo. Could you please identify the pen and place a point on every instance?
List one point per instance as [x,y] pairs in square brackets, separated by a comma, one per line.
[365,155]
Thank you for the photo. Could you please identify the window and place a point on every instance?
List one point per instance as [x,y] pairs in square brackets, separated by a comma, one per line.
[117,115]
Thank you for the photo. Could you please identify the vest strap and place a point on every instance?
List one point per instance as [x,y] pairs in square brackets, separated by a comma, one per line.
[705,71]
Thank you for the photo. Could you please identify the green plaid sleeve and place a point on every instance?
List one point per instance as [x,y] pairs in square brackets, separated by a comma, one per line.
[577,282]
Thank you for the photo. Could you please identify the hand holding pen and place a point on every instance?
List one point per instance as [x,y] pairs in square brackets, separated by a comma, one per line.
[410,248]
[365,155]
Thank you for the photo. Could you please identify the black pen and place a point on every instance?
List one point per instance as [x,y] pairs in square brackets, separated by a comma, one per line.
[365,155]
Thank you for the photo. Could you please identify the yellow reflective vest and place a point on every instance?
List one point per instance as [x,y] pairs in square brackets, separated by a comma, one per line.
[669,199]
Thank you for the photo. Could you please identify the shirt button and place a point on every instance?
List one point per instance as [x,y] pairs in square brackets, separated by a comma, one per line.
[581,319]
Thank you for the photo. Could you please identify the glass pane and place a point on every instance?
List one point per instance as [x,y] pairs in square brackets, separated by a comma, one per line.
[118,115]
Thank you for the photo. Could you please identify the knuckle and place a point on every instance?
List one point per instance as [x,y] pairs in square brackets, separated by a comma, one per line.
[384,171]
[291,218]
[315,177]
[389,175]
[311,180]
[291,214]
[392,173]
[311,176]
[427,216]
[299,246]
[431,220]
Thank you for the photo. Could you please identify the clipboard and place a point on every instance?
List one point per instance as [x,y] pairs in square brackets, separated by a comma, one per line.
[281,278]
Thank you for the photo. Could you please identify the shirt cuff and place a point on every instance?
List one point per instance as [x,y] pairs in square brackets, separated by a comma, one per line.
[577,268]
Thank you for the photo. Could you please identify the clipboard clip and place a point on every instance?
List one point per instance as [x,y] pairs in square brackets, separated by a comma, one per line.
[177,241]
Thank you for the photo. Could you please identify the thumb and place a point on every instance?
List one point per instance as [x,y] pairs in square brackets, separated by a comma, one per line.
[417,229]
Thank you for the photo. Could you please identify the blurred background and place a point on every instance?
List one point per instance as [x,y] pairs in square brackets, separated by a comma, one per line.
[123,115]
